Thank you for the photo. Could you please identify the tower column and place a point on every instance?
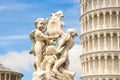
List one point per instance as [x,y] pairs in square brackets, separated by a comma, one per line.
[118,39]
[88,43]
[104,3]
[112,56]
[117,19]
[85,67]
[98,41]
[104,15]
[93,22]
[88,23]
[110,19]
[99,62]
[110,3]
[106,63]
[9,76]
[111,36]
[5,76]
[104,41]
[85,45]
[89,70]
[97,3]
[117,3]
[119,63]
[93,43]
[93,70]
[98,20]
[92,4]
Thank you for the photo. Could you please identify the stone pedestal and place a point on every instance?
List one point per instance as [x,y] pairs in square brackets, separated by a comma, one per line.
[47,75]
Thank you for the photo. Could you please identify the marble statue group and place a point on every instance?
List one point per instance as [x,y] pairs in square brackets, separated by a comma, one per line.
[51,45]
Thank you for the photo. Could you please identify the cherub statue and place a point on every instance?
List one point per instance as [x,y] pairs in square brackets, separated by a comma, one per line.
[66,42]
[55,24]
[40,41]
[50,56]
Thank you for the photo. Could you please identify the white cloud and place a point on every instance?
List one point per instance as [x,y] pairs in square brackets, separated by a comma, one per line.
[14,37]
[17,60]
[75,64]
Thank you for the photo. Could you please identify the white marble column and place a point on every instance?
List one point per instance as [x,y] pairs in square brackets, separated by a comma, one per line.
[5,76]
[98,4]
[119,63]
[104,41]
[94,79]
[112,56]
[106,64]
[93,41]
[92,4]
[98,20]
[82,64]
[84,25]
[106,79]
[81,8]
[104,20]
[103,3]
[110,19]
[93,70]
[88,5]
[99,42]
[111,35]
[117,14]
[117,3]
[110,3]
[9,76]
[85,45]
[100,79]
[85,72]
[93,22]
[89,70]
[88,43]
[118,39]
[88,23]
[99,62]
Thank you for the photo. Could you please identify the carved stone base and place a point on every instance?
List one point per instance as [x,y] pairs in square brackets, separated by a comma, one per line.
[47,75]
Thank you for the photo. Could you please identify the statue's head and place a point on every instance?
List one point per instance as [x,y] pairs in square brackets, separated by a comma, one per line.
[72,32]
[39,23]
[57,16]
[60,13]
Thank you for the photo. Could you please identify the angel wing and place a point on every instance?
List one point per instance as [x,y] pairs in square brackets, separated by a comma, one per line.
[32,36]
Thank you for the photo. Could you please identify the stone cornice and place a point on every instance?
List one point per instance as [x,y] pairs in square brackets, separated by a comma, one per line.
[102,76]
[102,53]
[109,30]
[100,10]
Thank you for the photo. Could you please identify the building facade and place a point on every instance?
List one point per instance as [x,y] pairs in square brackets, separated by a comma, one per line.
[8,74]
[100,39]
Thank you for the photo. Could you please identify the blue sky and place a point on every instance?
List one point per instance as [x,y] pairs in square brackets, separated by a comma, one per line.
[17,21]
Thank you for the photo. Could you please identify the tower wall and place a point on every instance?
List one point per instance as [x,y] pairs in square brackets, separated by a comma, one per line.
[100,39]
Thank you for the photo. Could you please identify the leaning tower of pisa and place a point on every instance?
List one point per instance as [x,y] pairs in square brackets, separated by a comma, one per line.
[100,39]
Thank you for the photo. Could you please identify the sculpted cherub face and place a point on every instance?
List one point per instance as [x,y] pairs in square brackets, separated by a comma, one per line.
[39,24]
[72,32]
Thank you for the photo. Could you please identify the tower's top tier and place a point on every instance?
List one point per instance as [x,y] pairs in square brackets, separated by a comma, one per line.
[89,5]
